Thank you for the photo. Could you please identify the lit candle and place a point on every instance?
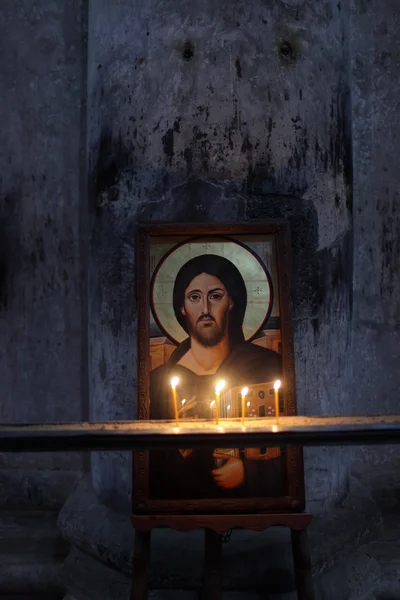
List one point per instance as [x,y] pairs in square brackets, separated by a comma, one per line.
[218,389]
[244,393]
[174,383]
[277,385]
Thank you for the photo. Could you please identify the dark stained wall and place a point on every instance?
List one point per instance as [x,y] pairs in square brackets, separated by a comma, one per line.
[42,361]
[376,129]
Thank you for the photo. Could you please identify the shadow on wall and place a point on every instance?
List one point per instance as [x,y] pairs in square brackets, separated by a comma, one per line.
[320,278]
[10,246]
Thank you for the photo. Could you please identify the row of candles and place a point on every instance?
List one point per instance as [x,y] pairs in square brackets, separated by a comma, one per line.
[218,389]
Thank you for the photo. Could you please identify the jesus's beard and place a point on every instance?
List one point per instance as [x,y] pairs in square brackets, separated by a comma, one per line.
[210,335]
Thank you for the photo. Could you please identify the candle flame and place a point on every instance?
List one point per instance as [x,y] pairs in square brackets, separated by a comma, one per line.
[228,407]
[274,428]
[212,403]
[248,404]
[184,401]
[277,384]
[245,391]
[219,387]
[174,381]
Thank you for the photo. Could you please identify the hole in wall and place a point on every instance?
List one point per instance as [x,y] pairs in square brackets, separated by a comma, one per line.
[287,51]
[188,51]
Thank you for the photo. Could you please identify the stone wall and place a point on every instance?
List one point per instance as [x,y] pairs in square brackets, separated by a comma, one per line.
[43,348]
[376,126]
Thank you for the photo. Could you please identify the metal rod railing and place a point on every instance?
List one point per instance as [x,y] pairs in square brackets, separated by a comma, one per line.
[144,435]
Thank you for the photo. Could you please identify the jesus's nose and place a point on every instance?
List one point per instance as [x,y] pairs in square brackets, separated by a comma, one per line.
[205,305]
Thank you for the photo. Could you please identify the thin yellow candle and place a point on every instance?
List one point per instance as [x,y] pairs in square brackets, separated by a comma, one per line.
[174,383]
[212,404]
[218,389]
[244,393]
[277,386]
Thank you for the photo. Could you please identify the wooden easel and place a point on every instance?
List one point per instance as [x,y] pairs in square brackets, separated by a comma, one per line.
[214,526]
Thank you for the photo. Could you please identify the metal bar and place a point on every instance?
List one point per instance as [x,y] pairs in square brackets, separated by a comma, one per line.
[144,435]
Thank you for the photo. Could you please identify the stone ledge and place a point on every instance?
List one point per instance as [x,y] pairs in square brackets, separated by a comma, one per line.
[33,488]
[261,559]
[31,532]
[88,579]
[31,554]
[31,575]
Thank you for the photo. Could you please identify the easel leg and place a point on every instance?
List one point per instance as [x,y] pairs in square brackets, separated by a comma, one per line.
[212,587]
[141,559]
[302,565]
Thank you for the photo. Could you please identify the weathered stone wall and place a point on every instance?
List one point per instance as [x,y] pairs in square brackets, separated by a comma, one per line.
[204,111]
[42,355]
[376,129]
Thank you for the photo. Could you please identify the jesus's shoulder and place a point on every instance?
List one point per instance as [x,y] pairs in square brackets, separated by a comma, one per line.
[260,364]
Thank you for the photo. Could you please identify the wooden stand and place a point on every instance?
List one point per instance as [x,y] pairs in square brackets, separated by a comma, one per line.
[214,526]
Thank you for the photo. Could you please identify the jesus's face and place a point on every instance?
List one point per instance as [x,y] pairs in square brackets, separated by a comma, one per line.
[206,307]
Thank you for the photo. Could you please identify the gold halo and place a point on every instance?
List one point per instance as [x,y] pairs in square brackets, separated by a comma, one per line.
[255,274]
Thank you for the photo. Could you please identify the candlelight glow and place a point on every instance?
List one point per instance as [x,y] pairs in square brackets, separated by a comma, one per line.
[174,381]
[245,391]
[277,385]
[228,407]
[248,404]
[274,428]
[184,401]
[219,387]
[212,403]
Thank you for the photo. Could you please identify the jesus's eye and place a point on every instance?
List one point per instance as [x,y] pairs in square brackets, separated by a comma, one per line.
[194,297]
[216,297]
